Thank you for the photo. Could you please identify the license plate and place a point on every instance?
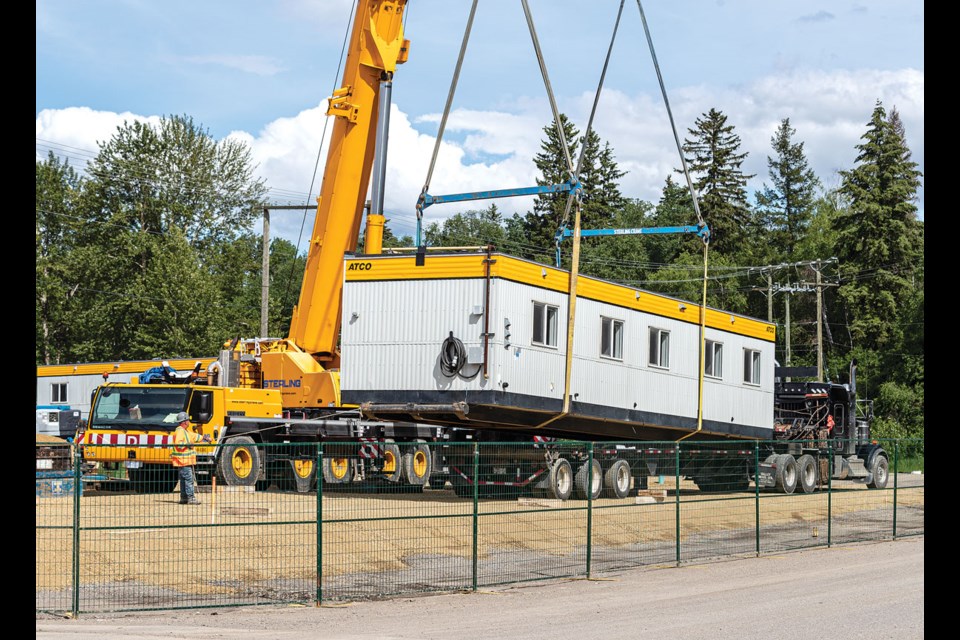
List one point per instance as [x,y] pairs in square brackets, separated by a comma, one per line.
[132,464]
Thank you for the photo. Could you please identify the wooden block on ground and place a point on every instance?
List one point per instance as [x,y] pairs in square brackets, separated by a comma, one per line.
[225,489]
[539,502]
[244,511]
[651,495]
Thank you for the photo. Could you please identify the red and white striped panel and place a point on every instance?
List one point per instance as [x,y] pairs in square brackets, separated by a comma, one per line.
[539,440]
[127,439]
[370,448]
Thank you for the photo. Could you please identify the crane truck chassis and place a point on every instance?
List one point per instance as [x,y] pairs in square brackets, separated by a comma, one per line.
[821,433]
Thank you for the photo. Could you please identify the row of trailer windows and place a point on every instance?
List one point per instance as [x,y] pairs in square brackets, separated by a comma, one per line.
[611,344]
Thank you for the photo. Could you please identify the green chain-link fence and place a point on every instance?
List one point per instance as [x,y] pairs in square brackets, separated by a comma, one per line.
[350,521]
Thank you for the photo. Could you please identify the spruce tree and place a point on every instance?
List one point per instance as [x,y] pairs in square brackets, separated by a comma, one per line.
[713,158]
[601,199]
[879,239]
[786,207]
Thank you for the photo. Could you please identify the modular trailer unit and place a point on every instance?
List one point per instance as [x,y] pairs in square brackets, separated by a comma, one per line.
[480,341]
[477,342]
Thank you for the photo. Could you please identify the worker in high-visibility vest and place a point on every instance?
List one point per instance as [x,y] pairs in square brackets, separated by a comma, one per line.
[184,457]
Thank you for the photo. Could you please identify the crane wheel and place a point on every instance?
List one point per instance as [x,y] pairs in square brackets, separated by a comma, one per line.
[240,462]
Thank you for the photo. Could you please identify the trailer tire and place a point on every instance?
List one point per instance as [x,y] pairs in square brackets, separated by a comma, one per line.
[240,462]
[392,468]
[561,479]
[589,484]
[880,472]
[617,479]
[807,473]
[786,473]
[418,465]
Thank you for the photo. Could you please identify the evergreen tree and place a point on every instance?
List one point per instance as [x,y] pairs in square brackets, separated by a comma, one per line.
[879,239]
[786,207]
[599,176]
[714,160]
[674,209]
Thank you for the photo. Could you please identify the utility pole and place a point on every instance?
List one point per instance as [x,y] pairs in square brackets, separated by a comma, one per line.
[770,297]
[819,325]
[786,302]
[265,275]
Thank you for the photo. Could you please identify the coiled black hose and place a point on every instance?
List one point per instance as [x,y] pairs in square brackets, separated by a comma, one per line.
[453,355]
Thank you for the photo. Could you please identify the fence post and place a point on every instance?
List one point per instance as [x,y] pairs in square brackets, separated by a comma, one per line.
[476,506]
[319,473]
[896,460]
[756,482]
[676,454]
[75,561]
[830,495]
[589,484]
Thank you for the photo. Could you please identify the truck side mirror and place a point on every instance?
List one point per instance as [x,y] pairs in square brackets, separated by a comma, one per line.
[205,408]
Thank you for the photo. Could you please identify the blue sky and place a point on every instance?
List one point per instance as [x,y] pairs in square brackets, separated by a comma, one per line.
[262,70]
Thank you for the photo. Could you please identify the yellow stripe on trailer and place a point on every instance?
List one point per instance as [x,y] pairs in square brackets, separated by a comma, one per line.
[462,266]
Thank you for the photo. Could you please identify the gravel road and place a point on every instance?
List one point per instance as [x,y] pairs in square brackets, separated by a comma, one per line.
[871,590]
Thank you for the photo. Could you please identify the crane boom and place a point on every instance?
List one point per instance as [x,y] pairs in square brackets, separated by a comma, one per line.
[376,47]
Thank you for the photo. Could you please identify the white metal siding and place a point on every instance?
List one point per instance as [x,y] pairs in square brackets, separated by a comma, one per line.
[393,333]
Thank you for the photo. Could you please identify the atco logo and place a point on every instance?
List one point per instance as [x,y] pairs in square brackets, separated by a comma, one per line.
[360,266]
[280,384]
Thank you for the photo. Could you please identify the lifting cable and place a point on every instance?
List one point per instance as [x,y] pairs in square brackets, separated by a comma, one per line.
[575,263]
[696,208]
[443,120]
[593,112]
[546,84]
[316,165]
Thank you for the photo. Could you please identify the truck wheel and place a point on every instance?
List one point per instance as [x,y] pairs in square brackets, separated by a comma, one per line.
[880,470]
[240,462]
[561,479]
[589,489]
[392,468]
[336,470]
[786,473]
[616,481]
[417,465]
[807,473]
[303,475]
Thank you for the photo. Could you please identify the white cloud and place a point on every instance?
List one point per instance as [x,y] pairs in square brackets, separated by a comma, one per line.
[81,129]
[486,150]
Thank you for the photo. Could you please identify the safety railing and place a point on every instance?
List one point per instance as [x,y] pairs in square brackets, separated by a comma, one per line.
[343,521]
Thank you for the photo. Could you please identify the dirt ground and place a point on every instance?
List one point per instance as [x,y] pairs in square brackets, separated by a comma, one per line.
[241,545]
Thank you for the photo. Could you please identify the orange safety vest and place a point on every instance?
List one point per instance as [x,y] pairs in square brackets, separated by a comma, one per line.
[183,454]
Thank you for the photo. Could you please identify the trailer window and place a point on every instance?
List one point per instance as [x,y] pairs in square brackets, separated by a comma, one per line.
[659,348]
[611,338]
[544,324]
[713,359]
[751,366]
[58,392]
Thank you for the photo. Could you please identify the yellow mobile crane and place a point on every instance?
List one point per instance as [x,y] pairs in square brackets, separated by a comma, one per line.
[263,391]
